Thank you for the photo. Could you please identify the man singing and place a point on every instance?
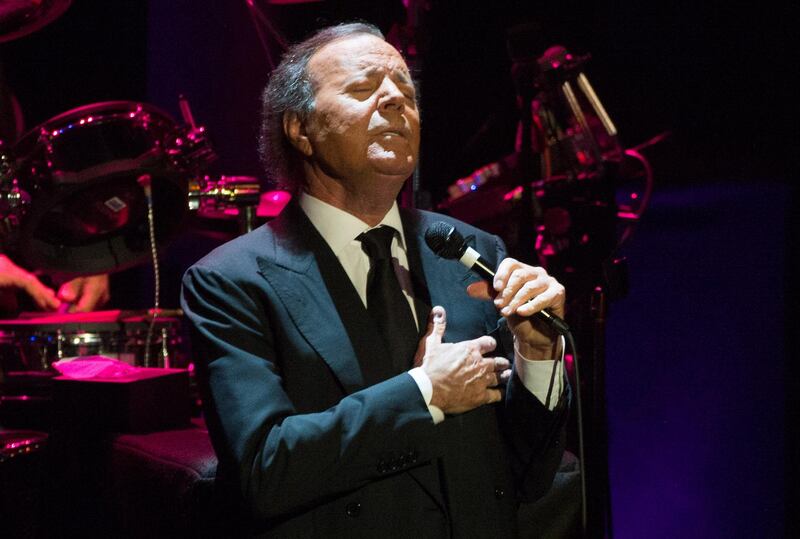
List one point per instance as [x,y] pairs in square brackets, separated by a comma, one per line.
[340,402]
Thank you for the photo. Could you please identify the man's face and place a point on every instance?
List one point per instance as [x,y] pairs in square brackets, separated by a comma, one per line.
[365,123]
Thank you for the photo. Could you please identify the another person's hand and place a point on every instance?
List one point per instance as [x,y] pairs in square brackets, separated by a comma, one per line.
[519,292]
[85,293]
[461,377]
[12,275]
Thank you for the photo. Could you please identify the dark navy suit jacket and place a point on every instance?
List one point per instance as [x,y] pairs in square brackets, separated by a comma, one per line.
[316,434]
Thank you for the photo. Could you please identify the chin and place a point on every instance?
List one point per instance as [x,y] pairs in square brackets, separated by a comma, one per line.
[402,169]
[397,174]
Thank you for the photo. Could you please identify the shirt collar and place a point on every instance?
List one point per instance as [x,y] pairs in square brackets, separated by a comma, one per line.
[338,228]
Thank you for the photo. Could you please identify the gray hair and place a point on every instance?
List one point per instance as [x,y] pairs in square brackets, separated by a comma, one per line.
[290,90]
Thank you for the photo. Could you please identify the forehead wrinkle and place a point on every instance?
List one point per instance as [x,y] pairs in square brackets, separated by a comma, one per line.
[351,61]
[399,72]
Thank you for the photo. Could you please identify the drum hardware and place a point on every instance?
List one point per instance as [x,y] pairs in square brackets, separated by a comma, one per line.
[33,343]
[226,197]
[235,197]
[191,146]
[73,204]
[13,201]
[164,356]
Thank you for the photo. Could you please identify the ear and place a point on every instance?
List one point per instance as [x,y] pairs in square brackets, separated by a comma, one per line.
[295,131]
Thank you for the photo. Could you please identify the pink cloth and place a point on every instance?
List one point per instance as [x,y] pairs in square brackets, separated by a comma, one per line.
[88,367]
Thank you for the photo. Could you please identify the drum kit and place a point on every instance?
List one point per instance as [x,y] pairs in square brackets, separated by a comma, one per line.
[98,189]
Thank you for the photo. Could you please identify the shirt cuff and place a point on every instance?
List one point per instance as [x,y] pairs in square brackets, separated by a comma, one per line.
[426,388]
[535,375]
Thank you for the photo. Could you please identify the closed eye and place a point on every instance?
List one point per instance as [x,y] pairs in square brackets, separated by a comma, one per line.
[361,92]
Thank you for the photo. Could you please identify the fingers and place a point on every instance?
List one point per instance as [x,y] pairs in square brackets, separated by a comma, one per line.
[501,364]
[87,302]
[501,372]
[493,395]
[518,283]
[86,293]
[525,290]
[483,345]
[13,276]
[552,297]
[70,291]
[503,273]
[95,293]
[43,297]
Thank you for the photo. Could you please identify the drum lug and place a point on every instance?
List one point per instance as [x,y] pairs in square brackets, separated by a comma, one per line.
[59,344]
[165,359]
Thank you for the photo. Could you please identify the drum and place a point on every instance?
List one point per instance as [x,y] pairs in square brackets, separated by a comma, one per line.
[34,344]
[79,176]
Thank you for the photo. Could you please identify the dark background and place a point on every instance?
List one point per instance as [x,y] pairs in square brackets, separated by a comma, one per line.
[698,376]
[714,75]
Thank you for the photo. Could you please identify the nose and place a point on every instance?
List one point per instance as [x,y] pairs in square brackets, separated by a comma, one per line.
[391,97]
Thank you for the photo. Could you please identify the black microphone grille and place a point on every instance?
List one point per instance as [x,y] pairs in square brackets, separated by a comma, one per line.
[445,240]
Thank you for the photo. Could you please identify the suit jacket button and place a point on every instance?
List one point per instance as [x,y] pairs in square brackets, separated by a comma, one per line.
[499,493]
[353,509]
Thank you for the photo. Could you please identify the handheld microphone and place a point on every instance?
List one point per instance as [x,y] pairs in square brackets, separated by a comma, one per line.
[447,242]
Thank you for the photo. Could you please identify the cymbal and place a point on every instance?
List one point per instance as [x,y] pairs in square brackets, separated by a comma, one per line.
[19,18]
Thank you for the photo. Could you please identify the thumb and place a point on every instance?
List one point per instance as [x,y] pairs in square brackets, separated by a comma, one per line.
[437,319]
[69,291]
[437,323]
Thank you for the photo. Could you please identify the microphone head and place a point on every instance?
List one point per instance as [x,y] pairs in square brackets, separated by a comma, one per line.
[445,240]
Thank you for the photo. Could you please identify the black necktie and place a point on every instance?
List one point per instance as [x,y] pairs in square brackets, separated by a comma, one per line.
[386,303]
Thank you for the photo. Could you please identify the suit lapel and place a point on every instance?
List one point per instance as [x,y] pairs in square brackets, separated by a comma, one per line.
[437,281]
[322,301]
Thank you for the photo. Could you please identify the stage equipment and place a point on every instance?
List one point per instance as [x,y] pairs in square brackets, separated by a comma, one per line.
[569,190]
[235,198]
[19,18]
[35,342]
[72,200]
[567,199]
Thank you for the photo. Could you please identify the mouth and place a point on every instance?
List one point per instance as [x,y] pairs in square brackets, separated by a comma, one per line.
[394,132]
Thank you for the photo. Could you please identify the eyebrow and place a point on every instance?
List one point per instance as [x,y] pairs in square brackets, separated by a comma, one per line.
[404,75]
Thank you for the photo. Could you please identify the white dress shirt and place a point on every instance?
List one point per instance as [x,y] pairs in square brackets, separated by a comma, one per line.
[340,229]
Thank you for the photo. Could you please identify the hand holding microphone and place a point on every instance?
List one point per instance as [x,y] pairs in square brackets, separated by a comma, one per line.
[521,291]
